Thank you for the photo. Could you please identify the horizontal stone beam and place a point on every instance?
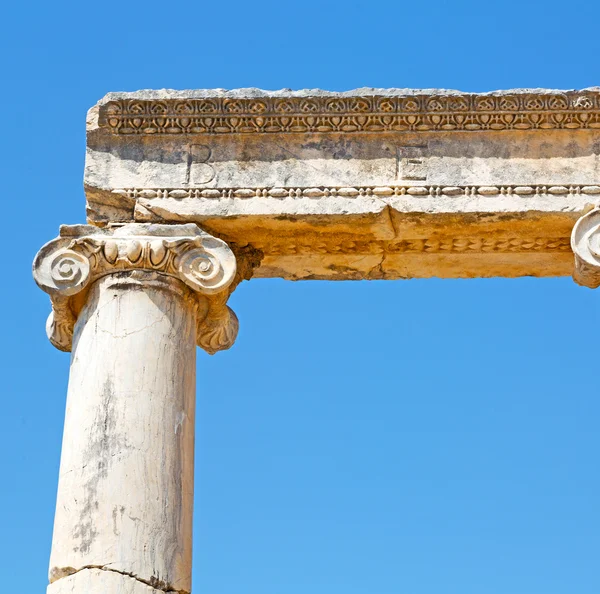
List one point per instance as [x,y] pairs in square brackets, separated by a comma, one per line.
[366,184]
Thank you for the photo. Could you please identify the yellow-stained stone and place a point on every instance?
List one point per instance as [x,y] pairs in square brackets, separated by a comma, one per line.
[372,183]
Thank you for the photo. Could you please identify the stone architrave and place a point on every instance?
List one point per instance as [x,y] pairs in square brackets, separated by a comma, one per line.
[189,192]
[371,183]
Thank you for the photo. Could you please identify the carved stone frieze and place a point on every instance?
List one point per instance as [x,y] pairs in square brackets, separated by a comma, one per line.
[369,183]
[545,190]
[65,267]
[433,245]
[585,243]
[368,111]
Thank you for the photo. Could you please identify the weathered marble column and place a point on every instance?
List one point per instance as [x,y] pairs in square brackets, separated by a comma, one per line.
[131,302]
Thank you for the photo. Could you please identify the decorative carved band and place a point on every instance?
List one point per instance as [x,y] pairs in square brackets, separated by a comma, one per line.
[456,245]
[585,243]
[374,113]
[82,254]
[353,192]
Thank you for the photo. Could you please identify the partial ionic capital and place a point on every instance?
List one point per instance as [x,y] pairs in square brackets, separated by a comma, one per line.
[67,266]
[585,243]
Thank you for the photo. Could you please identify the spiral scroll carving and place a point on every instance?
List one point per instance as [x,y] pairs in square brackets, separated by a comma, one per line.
[65,271]
[585,243]
[200,268]
[207,270]
[66,266]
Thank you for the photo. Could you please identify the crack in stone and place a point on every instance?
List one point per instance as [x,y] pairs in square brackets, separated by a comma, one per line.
[129,333]
[155,583]
[377,272]
[391,217]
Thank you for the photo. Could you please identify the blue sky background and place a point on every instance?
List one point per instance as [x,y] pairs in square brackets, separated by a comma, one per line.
[409,437]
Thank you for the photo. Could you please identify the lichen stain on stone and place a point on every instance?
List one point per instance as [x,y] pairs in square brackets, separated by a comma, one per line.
[104,442]
[118,510]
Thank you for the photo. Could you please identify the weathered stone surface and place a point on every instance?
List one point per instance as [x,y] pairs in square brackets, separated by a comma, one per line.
[102,581]
[131,301]
[191,192]
[585,242]
[371,183]
[125,493]
[68,266]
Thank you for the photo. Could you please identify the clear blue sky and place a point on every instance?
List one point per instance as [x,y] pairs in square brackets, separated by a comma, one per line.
[409,437]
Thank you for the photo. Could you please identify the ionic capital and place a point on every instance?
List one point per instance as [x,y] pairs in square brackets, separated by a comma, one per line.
[67,266]
[585,243]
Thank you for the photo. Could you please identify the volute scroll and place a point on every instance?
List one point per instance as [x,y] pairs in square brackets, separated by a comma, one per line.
[585,243]
[67,265]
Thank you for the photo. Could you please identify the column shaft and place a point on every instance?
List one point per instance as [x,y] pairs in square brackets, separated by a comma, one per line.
[125,491]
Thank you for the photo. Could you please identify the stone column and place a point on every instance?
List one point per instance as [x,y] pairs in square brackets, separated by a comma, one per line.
[131,302]
[585,243]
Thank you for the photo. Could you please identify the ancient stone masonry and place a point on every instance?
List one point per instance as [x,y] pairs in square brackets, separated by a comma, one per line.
[585,242]
[352,112]
[430,191]
[82,254]
[280,172]
[190,192]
